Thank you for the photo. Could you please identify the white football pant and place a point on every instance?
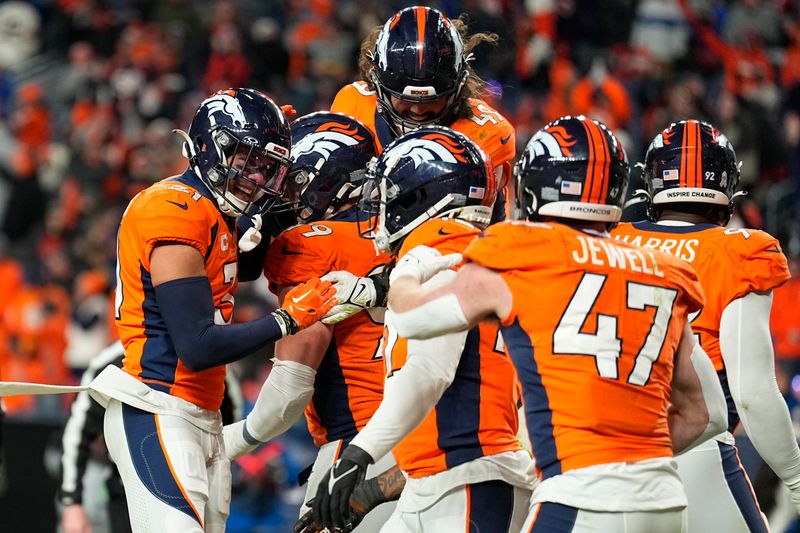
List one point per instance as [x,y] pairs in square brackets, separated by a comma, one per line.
[719,491]
[551,517]
[176,475]
[488,507]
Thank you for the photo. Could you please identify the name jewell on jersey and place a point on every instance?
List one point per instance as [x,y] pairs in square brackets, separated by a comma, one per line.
[603,251]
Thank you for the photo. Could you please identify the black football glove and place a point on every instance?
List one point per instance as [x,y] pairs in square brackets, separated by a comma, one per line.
[331,507]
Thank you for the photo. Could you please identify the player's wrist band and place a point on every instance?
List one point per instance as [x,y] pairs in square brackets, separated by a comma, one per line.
[381,284]
[285,321]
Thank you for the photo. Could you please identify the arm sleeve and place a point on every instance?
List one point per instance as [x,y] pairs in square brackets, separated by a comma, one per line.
[187,308]
[747,351]
[411,392]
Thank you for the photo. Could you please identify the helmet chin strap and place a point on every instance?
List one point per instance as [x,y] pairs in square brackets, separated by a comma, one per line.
[251,237]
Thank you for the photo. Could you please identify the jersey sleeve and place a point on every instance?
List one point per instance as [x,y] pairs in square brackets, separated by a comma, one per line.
[514,246]
[350,99]
[764,267]
[170,215]
[491,131]
[293,258]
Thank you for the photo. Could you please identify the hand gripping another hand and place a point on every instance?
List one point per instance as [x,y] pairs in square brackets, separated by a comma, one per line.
[305,304]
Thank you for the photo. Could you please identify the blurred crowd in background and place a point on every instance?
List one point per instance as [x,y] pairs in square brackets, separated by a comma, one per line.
[90,91]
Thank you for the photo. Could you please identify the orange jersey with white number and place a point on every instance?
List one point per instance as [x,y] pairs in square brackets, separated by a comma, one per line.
[729,262]
[592,331]
[487,128]
[180,211]
[477,414]
[349,383]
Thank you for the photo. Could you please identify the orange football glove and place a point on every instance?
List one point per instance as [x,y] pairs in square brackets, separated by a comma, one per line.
[308,302]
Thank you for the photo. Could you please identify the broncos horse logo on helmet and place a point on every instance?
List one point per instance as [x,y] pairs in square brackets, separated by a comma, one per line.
[330,153]
[430,147]
[428,173]
[224,102]
[573,168]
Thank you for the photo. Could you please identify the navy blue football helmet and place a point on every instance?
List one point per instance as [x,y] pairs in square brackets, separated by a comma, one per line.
[239,144]
[330,153]
[419,56]
[690,161]
[572,168]
[431,172]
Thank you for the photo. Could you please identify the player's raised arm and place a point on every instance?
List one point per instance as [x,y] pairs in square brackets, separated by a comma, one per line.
[475,293]
[184,296]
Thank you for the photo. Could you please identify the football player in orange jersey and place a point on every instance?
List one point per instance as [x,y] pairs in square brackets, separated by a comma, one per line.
[691,173]
[463,461]
[341,362]
[597,331]
[415,71]
[176,275]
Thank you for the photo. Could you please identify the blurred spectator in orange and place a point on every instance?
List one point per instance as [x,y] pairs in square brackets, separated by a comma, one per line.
[785,321]
[536,34]
[30,119]
[602,97]
[35,322]
[562,83]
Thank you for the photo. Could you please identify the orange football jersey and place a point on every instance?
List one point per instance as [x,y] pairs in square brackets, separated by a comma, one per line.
[349,382]
[729,263]
[592,333]
[177,210]
[487,128]
[477,414]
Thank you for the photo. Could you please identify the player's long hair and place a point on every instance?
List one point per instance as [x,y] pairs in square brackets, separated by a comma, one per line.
[474,87]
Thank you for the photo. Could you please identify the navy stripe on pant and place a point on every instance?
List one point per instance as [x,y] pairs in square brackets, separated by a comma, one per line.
[149,460]
[554,518]
[491,507]
[740,488]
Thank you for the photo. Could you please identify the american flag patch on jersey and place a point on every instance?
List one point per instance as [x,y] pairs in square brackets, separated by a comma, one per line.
[571,187]
[670,175]
[477,192]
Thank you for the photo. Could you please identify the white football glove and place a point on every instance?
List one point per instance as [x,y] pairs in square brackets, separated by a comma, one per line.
[422,263]
[353,293]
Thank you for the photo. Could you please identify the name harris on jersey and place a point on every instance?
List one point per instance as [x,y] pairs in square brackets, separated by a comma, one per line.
[685,249]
